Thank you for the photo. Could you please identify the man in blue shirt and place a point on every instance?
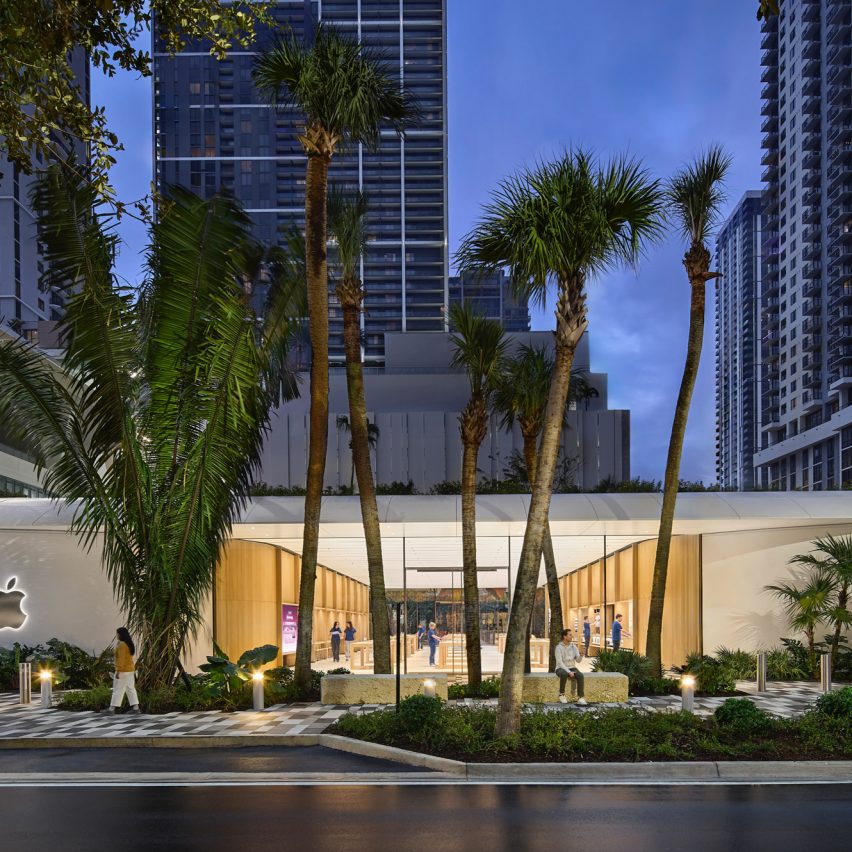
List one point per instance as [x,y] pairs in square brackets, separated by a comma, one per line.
[434,641]
[616,633]
[587,635]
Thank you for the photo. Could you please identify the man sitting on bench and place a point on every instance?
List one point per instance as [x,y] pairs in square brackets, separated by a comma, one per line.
[567,657]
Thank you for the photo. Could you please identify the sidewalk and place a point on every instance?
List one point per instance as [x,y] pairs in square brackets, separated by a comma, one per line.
[298,723]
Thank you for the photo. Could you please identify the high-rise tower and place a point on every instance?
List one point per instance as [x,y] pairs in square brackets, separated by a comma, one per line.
[806,329]
[212,130]
[738,344]
[24,300]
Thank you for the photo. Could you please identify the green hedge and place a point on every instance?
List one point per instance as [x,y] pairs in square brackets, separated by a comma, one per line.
[279,688]
[737,732]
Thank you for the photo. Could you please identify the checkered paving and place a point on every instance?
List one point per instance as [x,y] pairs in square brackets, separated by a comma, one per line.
[781,699]
[31,722]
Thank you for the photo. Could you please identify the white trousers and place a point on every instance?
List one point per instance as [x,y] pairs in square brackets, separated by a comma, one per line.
[125,682]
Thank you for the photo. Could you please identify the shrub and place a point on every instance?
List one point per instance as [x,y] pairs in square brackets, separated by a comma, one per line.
[656,686]
[86,699]
[488,688]
[620,734]
[837,704]
[73,667]
[741,665]
[711,676]
[790,662]
[741,716]
[636,666]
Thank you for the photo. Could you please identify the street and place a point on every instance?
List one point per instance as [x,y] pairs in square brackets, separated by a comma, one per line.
[430,817]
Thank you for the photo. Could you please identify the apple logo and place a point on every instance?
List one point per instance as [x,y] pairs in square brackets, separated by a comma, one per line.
[11,614]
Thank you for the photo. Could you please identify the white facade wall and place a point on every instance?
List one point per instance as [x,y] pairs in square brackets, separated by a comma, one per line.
[737,611]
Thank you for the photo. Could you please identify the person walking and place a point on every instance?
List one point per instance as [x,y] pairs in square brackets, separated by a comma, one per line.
[617,630]
[587,635]
[349,637]
[434,640]
[567,657]
[124,678]
[336,633]
[421,634]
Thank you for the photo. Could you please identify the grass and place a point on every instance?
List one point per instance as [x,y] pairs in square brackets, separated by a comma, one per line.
[737,732]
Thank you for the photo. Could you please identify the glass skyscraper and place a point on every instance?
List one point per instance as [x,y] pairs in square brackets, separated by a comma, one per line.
[738,367]
[213,130]
[806,322]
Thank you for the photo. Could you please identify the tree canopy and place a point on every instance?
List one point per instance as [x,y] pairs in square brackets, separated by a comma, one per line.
[39,95]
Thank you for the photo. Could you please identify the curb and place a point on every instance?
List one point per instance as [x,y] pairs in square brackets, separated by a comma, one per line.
[124,741]
[399,755]
[699,772]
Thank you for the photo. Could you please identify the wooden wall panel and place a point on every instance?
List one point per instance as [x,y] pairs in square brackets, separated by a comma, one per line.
[246,598]
[628,582]
[253,580]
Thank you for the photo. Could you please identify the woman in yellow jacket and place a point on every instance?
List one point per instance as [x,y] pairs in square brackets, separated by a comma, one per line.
[125,673]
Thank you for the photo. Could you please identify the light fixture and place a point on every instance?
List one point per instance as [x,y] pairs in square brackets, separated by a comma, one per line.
[46,678]
[687,693]
[429,686]
[257,690]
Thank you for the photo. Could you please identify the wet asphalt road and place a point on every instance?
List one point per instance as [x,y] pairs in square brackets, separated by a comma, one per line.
[434,818]
[249,759]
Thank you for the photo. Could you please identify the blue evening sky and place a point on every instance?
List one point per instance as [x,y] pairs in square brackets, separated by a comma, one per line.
[658,80]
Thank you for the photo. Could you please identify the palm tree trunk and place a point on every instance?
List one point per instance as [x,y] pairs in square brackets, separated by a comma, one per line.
[316,238]
[571,323]
[366,485]
[696,261]
[473,423]
[554,594]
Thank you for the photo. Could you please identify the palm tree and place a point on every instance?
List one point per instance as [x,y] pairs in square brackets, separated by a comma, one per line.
[153,427]
[347,222]
[479,351]
[345,95]
[806,601]
[521,397]
[560,224]
[694,196]
[373,433]
[835,566]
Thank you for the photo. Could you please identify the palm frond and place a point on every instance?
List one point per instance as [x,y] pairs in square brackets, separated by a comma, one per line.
[347,227]
[479,347]
[337,84]
[695,194]
[569,218]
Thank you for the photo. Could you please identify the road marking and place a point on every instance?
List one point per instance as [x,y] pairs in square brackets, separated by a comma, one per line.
[408,779]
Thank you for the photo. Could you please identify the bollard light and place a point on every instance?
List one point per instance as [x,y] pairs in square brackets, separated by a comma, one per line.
[687,693]
[257,690]
[825,672]
[46,678]
[761,671]
[25,683]
[429,686]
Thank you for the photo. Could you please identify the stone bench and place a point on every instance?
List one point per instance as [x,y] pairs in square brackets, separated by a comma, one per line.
[599,687]
[376,688]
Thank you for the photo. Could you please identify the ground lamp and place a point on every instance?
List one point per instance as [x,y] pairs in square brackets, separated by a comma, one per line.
[257,690]
[46,678]
[687,693]
[429,687]
[825,672]
[761,671]
[24,683]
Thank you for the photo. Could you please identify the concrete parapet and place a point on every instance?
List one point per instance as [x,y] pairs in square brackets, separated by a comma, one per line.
[376,688]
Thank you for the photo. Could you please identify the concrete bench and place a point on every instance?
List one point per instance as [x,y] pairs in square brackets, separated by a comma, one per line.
[376,688]
[599,687]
